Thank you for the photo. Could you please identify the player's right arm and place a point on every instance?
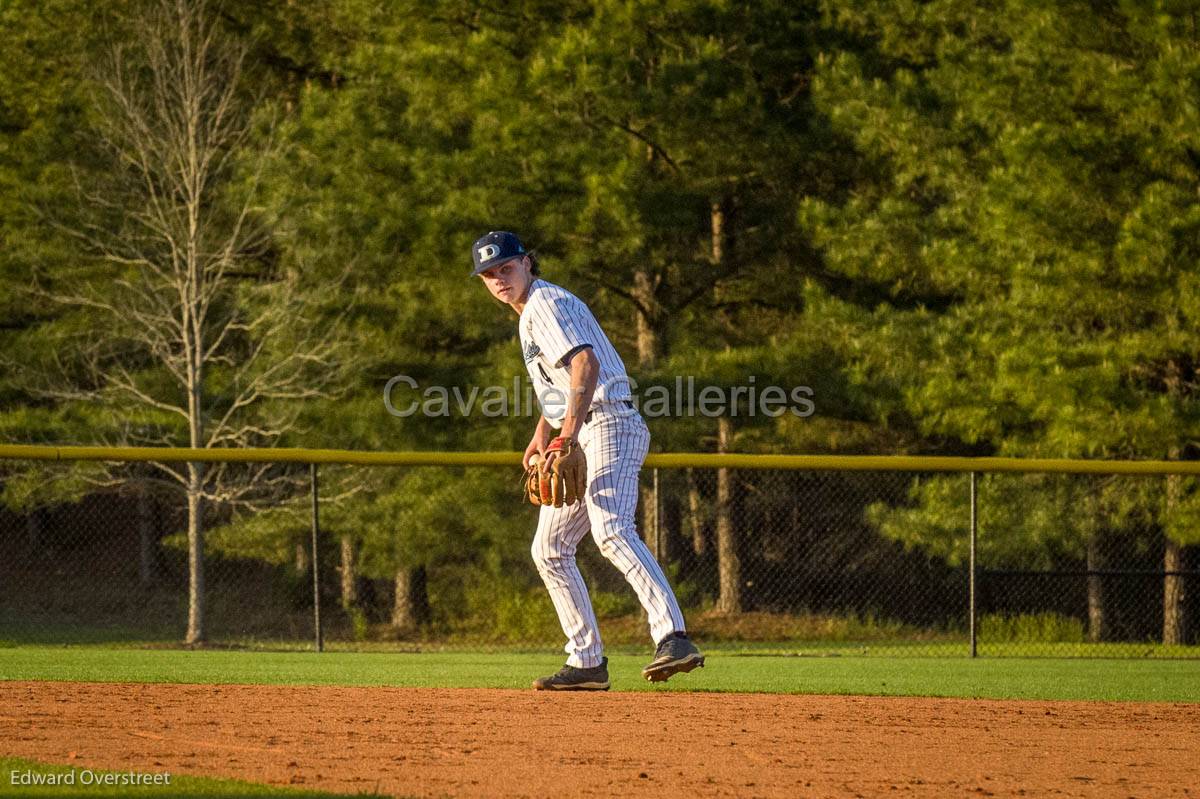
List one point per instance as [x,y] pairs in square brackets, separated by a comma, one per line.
[537,444]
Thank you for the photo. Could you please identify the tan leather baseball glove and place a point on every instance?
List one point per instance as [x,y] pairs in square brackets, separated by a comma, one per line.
[568,472]
[564,483]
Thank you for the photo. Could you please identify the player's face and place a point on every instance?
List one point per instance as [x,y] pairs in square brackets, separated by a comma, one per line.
[509,281]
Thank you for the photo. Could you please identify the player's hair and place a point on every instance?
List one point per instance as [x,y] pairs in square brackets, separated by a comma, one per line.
[534,268]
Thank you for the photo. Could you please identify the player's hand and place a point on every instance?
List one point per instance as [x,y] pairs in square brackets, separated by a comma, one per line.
[537,446]
[535,486]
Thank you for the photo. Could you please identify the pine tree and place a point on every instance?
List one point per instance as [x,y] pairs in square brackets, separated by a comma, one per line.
[1033,164]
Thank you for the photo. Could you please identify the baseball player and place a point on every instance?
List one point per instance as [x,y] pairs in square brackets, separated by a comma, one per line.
[585,477]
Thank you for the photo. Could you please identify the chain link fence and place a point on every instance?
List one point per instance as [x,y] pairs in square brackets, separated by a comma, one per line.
[766,560]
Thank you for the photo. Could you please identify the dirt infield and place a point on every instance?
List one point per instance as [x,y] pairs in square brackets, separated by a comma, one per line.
[457,742]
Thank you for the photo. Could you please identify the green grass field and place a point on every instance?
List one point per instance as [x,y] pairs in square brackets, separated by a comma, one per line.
[992,678]
[83,783]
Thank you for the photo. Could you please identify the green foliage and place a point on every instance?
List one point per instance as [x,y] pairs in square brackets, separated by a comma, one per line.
[1181,519]
[1025,628]
[608,603]
[970,229]
[1026,195]
[1035,183]
[505,609]
[270,536]
[1024,521]
[422,516]
[359,624]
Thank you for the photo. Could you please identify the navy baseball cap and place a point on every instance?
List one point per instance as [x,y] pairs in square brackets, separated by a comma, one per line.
[494,249]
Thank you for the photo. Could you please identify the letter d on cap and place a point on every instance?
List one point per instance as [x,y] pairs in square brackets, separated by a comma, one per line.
[488,251]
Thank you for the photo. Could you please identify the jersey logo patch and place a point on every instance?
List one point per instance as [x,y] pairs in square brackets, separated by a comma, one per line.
[531,352]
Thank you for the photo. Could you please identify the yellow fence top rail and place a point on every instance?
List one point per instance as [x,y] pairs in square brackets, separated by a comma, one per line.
[845,463]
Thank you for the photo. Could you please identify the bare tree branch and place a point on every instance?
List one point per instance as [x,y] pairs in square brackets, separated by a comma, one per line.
[175,336]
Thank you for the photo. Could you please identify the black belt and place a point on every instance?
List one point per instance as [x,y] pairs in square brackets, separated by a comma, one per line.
[588,418]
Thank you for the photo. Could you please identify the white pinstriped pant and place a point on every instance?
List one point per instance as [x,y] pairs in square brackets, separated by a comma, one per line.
[615,445]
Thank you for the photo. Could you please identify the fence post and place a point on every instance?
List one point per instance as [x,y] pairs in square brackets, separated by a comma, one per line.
[971,578]
[316,564]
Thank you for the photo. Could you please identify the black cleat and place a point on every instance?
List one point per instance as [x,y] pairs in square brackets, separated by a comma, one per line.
[676,654]
[571,678]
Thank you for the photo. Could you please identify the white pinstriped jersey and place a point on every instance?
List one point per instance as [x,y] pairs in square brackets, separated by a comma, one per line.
[554,324]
